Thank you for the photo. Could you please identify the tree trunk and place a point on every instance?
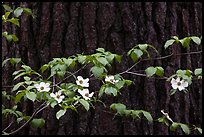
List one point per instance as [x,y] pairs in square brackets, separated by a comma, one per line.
[63,29]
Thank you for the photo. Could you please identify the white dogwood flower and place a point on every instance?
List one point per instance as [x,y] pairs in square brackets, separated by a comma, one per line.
[85,93]
[111,79]
[180,84]
[57,96]
[82,82]
[42,86]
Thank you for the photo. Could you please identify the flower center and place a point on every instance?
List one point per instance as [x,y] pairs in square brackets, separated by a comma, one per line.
[179,83]
[87,94]
[80,81]
[58,96]
[41,88]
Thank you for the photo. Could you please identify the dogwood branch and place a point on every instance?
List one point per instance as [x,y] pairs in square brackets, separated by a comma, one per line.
[72,74]
[32,116]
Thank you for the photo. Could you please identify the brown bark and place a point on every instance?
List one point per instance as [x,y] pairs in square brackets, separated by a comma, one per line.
[63,29]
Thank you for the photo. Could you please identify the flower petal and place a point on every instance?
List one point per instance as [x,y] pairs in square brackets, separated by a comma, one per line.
[86,98]
[80,78]
[42,84]
[59,100]
[86,80]
[81,92]
[37,86]
[62,97]
[52,95]
[180,88]
[47,84]
[85,85]
[91,94]
[174,86]
[78,83]
[178,79]
[173,81]
[46,89]
[111,77]
[184,83]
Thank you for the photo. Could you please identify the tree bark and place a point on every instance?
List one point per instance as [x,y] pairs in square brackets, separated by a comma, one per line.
[63,29]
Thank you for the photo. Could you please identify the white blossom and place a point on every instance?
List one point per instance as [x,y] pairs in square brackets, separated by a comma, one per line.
[111,79]
[82,82]
[42,86]
[85,93]
[180,84]
[57,96]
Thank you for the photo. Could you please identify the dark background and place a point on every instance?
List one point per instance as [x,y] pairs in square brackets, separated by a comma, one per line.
[62,29]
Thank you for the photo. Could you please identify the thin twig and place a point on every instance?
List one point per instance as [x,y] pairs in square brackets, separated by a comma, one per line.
[167,56]
[72,74]
[32,116]
[7,126]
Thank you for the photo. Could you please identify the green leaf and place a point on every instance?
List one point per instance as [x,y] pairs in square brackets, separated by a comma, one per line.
[4,62]
[110,58]
[7,14]
[138,52]
[17,86]
[60,113]
[185,128]
[198,71]
[53,104]
[81,59]
[150,71]
[84,103]
[168,43]
[111,90]
[102,90]
[175,37]
[44,67]
[135,114]
[14,21]
[97,71]
[4,33]
[120,84]
[38,123]
[102,60]
[185,42]
[118,107]
[6,7]
[197,40]
[14,37]
[19,75]
[9,38]
[15,60]
[143,46]
[174,126]
[134,56]
[181,72]
[172,91]
[128,82]
[148,116]
[118,58]
[27,11]
[31,95]
[16,72]
[199,130]
[127,112]
[19,96]
[160,71]
[100,50]
[18,11]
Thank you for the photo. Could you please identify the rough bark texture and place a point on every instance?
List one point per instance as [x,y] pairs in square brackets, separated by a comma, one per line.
[64,29]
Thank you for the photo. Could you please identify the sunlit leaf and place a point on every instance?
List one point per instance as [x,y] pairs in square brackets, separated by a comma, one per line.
[60,113]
